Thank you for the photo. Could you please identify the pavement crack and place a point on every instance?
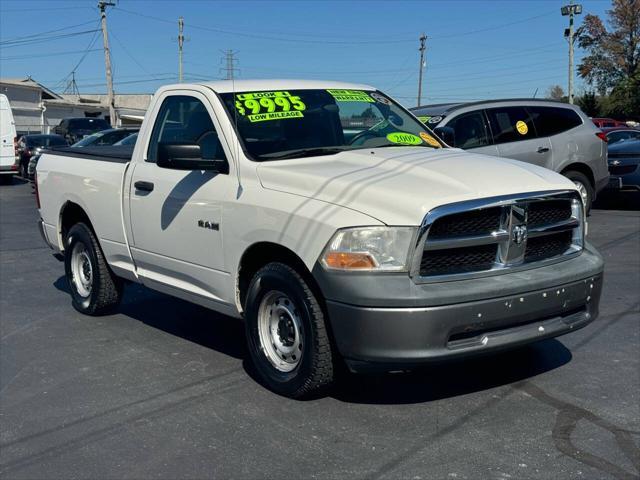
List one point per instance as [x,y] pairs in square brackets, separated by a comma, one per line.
[567,419]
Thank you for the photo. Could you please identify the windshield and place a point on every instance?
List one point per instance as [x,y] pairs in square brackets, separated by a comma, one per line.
[298,123]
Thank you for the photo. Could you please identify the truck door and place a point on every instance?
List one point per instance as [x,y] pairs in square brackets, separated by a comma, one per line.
[175,214]
[515,135]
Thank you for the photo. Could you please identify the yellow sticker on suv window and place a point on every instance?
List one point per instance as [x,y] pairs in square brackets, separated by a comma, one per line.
[522,127]
[424,118]
[430,140]
[350,96]
[402,138]
[262,106]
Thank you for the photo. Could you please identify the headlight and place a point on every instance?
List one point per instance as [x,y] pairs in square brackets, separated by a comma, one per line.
[384,249]
[578,212]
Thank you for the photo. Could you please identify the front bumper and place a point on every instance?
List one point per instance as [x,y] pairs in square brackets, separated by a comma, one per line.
[480,316]
[398,337]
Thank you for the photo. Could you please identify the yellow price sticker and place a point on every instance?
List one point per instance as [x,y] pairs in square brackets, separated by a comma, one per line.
[261,106]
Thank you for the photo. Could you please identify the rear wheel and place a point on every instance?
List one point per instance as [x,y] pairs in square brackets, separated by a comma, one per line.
[584,187]
[286,333]
[94,288]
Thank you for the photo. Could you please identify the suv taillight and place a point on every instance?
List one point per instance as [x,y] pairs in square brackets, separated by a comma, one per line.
[602,136]
[15,146]
[35,183]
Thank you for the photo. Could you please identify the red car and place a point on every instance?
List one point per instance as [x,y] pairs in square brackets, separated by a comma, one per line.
[607,122]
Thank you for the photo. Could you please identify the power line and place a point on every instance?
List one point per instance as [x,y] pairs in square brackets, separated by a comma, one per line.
[34,41]
[496,27]
[52,54]
[325,41]
[47,32]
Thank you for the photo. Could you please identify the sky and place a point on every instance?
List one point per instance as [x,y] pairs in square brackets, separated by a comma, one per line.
[476,49]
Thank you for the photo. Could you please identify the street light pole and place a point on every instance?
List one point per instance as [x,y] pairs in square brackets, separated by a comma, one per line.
[570,10]
[102,5]
[423,39]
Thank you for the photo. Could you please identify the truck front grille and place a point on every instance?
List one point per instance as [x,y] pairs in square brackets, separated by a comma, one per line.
[497,235]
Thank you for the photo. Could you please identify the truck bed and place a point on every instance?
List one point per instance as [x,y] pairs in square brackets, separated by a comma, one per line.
[90,177]
[119,153]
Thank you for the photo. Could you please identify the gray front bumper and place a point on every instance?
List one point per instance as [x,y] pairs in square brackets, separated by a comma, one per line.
[483,316]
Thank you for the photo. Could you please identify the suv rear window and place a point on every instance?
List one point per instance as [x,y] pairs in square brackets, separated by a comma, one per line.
[553,120]
[89,124]
[510,124]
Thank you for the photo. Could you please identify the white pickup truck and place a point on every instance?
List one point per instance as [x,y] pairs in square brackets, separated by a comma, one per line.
[331,220]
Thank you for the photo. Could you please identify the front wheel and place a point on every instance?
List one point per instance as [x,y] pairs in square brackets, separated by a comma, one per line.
[584,187]
[94,288]
[286,333]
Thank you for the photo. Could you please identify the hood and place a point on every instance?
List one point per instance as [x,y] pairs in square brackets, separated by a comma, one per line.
[399,185]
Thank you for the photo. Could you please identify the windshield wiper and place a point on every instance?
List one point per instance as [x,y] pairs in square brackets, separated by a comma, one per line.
[303,152]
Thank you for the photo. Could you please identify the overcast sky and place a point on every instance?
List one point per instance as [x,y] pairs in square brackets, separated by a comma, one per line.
[476,49]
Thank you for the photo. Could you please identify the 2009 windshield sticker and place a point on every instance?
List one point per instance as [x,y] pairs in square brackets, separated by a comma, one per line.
[402,138]
[522,127]
[351,96]
[263,106]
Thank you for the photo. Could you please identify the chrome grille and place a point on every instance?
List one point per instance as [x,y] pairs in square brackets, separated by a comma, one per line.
[498,235]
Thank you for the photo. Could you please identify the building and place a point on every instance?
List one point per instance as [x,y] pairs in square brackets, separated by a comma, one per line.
[36,109]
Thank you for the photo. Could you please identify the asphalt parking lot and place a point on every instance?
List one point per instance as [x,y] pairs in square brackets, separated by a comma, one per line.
[161,389]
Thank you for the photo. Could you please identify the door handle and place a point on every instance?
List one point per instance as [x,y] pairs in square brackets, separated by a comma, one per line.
[542,149]
[144,186]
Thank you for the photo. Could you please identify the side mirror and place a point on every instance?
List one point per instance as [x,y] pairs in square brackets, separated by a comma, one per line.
[447,134]
[184,156]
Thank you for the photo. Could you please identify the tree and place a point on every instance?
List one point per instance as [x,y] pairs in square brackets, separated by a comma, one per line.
[589,104]
[555,92]
[612,63]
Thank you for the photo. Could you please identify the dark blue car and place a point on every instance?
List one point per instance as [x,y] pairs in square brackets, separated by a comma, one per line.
[624,165]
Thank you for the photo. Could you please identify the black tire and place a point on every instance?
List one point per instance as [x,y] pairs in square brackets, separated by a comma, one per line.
[315,371]
[105,289]
[579,177]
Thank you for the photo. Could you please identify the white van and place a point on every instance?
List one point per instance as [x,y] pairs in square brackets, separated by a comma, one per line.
[7,139]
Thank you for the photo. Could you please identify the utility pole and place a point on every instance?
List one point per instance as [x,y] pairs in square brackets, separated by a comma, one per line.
[230,64]
[423,40]
[102,5]
[180,44]
[570,10]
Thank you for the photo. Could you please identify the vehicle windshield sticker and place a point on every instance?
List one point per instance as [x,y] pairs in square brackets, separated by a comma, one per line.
[522,127]
[424,118]
[435,119]
[402,138]
[351,96]
[263,106]
[379,98]
[430,140]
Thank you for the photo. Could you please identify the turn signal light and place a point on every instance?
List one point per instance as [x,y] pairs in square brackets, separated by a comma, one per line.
[349,260]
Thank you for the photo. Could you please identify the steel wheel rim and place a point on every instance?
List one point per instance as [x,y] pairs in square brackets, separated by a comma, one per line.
[81,270]
[280,331]
[582,190]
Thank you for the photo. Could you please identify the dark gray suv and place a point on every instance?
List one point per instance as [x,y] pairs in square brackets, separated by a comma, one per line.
[551,134]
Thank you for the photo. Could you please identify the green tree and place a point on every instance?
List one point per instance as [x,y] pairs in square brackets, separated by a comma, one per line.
[588,102]
[612,63]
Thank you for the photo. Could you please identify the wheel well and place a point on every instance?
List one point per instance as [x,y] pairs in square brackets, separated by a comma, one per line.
[582,168]
[71,214]
[257,256]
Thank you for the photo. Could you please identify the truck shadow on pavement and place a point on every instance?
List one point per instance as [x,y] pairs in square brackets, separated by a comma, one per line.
[429,383]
